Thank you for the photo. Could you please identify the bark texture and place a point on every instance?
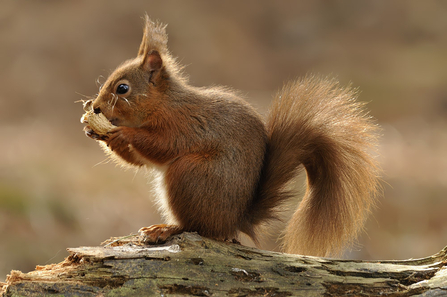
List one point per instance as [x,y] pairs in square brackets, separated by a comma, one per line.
[190,265]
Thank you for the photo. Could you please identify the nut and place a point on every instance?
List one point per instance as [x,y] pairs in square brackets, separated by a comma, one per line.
[96,121]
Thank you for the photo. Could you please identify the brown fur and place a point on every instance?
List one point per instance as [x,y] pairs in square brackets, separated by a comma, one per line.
[223,170]
[316,123]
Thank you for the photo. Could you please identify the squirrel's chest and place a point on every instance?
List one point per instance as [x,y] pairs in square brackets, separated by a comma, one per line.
[156,175]
[160,193]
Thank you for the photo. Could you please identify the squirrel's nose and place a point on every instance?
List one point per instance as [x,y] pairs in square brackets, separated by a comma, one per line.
[97,110]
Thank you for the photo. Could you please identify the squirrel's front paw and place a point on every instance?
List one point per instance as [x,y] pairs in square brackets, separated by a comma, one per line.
[117,140]
[158,233]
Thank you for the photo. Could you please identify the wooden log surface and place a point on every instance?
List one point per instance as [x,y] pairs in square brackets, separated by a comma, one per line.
[192,265]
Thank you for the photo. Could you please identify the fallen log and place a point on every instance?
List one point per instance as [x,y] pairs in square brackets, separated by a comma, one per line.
[190,265]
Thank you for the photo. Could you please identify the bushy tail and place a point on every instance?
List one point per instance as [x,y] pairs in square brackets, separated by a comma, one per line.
[318,124]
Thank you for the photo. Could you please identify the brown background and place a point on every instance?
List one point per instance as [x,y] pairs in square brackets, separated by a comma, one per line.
[52,193]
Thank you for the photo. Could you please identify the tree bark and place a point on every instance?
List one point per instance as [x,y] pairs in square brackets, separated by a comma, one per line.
[192,265]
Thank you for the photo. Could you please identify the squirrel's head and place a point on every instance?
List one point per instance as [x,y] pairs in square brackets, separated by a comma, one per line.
[136,89]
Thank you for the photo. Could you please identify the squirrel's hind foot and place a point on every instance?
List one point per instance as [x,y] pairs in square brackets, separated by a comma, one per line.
[158,233]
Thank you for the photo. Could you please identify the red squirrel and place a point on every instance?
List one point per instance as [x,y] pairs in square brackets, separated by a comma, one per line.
[224,169]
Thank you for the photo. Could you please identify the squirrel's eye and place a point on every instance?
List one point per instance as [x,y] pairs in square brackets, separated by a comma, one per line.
[122,89]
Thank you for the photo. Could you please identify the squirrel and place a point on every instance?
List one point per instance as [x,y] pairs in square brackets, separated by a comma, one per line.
[224,169]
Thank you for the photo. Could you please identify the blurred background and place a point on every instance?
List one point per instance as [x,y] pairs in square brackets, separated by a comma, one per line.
[56,191]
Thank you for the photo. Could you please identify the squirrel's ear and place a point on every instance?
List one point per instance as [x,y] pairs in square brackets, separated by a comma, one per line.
[153,47]
[152,61]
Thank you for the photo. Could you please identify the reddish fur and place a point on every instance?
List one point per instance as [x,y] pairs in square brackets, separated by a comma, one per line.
[225,170]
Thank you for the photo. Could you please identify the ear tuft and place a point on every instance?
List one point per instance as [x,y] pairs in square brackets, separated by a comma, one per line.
[154,37]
